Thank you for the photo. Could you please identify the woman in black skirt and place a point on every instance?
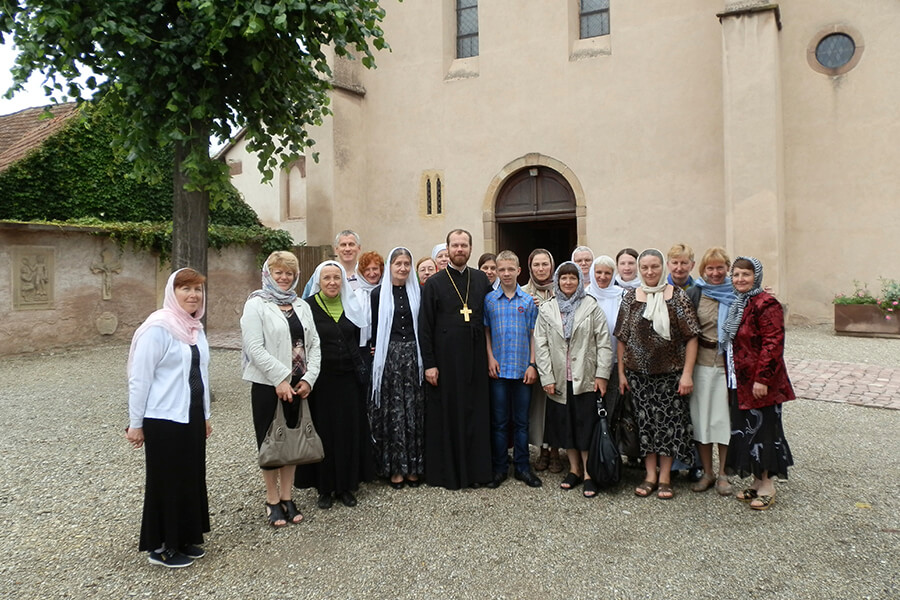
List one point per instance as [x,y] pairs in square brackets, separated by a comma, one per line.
[337,403]
[168,406]
[396,406]
[758,385]
[574,358]
[281,359]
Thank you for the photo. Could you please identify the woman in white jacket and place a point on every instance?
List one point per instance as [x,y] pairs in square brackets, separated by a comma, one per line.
[168,407]
[281,358]
[574,358]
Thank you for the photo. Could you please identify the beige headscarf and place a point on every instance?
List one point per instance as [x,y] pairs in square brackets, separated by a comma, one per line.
[656,309]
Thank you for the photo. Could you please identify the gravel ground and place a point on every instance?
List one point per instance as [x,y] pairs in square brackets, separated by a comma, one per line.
[71,495]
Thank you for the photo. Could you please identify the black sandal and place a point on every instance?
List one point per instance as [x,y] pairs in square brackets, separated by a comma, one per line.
[570,481]
[275,513]
[292,512]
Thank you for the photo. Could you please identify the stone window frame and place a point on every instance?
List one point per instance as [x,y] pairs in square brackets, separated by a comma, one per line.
[847,30]
[586,48]
[432,196]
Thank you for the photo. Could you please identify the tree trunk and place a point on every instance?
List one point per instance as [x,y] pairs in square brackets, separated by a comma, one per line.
[190,221]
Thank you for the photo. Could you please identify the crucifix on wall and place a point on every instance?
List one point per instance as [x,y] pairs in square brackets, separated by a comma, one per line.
[106,267]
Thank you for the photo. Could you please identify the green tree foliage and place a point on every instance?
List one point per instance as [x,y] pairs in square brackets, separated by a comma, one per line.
[180,70]
[76,174]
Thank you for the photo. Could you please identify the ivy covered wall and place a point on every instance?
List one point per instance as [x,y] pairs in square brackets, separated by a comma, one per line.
[76,175]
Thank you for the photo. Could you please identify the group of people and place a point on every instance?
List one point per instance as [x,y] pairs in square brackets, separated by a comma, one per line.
[429,370]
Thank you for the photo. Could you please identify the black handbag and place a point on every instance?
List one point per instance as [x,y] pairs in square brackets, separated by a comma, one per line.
[625,429]
[283,445]
[604,463]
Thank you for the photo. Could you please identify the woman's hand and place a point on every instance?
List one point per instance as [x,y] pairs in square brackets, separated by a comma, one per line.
[685,384]
[284,392]
[431,375]
[302,389]
[760,390]
[600,385]
[208,428]
[623,383]
[135,436]
[550,388]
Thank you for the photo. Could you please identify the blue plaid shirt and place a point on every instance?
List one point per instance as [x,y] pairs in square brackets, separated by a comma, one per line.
[511,323]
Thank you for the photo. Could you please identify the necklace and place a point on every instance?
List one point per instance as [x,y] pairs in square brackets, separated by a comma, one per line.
[465,311]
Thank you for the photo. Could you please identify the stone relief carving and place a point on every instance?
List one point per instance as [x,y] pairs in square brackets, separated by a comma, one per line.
[33,275]
[105,267]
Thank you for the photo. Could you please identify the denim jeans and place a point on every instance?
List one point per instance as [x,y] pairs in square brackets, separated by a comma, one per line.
[510,398]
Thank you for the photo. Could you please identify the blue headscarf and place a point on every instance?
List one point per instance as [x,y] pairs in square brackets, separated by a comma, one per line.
[722,293]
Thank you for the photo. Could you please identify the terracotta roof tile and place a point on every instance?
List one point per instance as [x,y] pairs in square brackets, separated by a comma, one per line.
[23,132]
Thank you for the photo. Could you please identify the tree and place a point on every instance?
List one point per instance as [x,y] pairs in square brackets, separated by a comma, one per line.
[178,71]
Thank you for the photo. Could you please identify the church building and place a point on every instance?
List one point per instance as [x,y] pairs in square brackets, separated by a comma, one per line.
[770,129]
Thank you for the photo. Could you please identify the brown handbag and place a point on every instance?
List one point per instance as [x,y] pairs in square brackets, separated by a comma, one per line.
[285,445]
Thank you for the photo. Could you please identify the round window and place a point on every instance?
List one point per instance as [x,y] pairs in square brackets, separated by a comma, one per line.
[835,50]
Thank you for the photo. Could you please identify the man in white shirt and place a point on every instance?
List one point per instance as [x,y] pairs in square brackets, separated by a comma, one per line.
[346,249]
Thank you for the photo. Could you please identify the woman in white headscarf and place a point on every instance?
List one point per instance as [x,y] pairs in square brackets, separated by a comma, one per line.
[440,256]
[584,258]
[397,404]
[657,332]
[168,409]
[609,297]
[337,403]
[281,360]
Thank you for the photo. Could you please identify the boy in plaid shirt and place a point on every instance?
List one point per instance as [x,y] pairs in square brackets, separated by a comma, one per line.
[509,317]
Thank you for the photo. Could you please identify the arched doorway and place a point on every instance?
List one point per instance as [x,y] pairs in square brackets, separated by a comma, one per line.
[536,209]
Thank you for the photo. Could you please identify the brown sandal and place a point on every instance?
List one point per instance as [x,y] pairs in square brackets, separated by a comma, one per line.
[723,486]
[665,491]
[703,484]
[645,489]
[746,495]
[765,501]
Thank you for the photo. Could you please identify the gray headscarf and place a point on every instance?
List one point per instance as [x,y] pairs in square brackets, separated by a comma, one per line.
[736,310]
[568,304]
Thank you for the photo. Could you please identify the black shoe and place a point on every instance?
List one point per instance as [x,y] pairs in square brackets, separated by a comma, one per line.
[170,559]
[695,473]
[530,479]
[193,552]
[497,480]
[413,483]
[326,501]
[475,486]
[347,498]
[397,485]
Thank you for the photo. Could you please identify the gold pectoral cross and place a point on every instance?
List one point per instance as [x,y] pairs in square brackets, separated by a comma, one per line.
[465,311]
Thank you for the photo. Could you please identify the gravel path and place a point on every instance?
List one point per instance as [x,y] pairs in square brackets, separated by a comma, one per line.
[71,496]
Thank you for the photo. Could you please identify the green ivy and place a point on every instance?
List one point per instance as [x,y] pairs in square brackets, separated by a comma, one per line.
[76,174]
[156,237]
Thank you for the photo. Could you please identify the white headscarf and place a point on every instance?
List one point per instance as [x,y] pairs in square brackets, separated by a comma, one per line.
[656,309]
[609,298]
[349,300]
[171,317]
[590,276]
[363,296]
[386,319]
[437,250]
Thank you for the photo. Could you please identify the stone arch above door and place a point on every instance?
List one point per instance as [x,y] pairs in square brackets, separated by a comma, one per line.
[533,159]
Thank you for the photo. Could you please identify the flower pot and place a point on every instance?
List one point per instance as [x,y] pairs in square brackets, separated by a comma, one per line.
[865,320]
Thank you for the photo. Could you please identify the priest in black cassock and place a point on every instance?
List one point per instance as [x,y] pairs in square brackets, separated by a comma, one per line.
[454,355]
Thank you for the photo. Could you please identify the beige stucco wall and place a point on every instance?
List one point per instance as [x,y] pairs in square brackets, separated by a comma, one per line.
[136,290]
[842,148]
[644,122]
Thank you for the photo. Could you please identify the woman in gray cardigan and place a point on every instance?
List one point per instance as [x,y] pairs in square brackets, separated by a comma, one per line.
[281,358]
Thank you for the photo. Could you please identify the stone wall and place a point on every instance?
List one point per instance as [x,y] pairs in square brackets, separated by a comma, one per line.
[69,286]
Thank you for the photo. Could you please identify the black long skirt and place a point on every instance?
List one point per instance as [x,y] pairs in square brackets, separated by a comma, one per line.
[757,442]
[338,411]
[571,425]
[176,507]
[398,424]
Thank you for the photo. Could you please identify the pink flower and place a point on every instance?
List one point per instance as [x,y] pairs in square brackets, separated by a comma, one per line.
[894,303]
[888,317]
